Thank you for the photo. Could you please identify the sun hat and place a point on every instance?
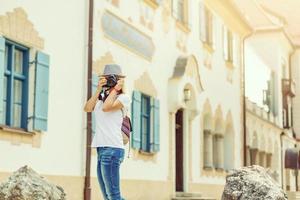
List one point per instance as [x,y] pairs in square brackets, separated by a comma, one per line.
[112,69]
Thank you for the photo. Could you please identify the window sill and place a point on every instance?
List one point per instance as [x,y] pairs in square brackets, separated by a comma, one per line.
[153,4]
[229,64]
[182,26]
[18,136]
[208,168]
[217,172]
[220,170]
[208,47]
[146,152]
[15,130]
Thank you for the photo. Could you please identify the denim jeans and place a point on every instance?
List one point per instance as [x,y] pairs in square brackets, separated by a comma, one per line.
[108,171]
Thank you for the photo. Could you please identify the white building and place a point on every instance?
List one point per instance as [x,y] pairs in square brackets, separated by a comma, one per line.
[184,65]
[272,50]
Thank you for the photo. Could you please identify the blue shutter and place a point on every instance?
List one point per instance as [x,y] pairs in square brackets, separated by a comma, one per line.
[156,125]
[94,88]
[40,117]
[136,120]
[2,67]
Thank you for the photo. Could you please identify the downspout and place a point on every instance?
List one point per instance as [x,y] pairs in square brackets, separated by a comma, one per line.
[291,114]
[87,181]
[281,147]
[244,96]
[291,78]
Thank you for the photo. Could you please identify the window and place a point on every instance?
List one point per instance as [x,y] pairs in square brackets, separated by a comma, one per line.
[269,160]
[207,149]
[218,152]
[284,71]
[15,85]
[145,122]
[227,44]
[253,156]
[206,25]
[262,159]
[179,10]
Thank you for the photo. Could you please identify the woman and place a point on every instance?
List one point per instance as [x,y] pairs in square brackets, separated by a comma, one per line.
[108,140]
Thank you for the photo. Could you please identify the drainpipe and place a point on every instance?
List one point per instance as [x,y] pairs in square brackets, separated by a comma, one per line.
[282,166]
[244,96]
[87,181]
[291,78]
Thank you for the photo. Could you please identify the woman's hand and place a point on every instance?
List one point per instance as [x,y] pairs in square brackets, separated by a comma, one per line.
[102,81]
[120,84]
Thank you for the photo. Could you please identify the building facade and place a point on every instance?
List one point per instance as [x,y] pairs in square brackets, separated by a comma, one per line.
[272,128]
[183,62]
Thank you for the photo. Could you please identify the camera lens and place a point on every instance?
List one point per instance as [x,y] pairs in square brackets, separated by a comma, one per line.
[111,81]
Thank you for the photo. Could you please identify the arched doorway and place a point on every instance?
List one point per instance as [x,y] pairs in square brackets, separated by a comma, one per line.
[184,87]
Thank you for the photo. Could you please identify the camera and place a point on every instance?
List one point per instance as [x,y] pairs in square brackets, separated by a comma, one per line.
[112,80]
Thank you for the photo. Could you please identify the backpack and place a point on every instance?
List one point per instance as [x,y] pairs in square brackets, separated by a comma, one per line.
[126,128]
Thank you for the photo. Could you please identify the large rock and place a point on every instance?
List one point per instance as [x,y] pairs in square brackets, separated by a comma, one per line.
[252,183]
[26,184]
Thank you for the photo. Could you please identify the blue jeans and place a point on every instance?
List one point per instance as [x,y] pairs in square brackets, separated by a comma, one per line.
[108,171]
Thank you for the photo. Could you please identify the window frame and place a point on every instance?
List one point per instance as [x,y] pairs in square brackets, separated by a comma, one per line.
[11,76]
[147,115]
[228,39]
[208,26]
[181,21]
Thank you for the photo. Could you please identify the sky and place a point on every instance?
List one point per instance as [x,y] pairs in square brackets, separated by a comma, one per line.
[257,75]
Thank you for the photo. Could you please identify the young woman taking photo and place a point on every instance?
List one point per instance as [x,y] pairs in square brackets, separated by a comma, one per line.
[109,103]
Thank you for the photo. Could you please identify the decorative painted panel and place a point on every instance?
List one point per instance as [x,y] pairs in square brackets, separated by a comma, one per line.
[125,34]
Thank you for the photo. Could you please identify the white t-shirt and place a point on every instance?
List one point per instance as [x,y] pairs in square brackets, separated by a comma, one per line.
[108,124]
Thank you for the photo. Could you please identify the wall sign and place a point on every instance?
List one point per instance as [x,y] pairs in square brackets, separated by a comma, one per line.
[122,32]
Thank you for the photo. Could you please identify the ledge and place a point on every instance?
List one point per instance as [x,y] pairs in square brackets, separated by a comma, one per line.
[216,172]
[152,3]
[16,130]
[17,136]
[229,64]
[220,170]
[208,47]
[182,26]
[146,153]
[208,168]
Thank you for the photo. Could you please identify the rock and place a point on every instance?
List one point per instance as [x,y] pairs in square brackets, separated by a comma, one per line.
[252,183]
[26,184]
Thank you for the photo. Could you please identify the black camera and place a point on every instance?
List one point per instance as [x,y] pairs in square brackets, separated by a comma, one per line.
[112,80]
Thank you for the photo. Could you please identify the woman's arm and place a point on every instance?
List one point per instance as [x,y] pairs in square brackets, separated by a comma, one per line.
[90,104]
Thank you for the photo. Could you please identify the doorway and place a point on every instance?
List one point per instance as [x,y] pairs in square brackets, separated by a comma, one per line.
[179,151]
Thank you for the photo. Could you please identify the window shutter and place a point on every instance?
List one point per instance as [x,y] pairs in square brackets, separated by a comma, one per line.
[273,93]
[214,31]
[225,43]
[202,21]
[94,88]
[40,118]
[136,120]
[235,49]
[2,67]
[154,146]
